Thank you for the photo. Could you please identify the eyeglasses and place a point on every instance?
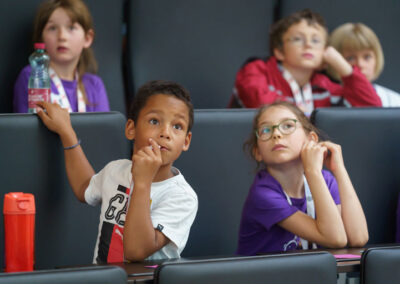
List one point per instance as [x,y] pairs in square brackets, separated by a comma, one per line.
[300,40]
[286,127]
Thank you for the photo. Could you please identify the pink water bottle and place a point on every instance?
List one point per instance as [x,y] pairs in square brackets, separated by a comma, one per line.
[19,230]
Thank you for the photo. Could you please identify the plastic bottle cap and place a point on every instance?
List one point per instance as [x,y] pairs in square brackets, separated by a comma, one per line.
[39,45]
[23,204]
[19,203]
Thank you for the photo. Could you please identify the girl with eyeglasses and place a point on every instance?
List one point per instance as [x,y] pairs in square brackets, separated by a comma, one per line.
[293,203]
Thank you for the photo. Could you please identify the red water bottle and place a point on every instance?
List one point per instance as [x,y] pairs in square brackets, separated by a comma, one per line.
[19,231]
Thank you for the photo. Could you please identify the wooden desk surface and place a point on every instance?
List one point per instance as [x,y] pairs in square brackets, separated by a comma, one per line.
[346,265]
[142,269]
[343,265]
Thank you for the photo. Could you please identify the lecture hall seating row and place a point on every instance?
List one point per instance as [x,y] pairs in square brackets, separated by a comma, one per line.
[215,165]
[200,44]
[378,265]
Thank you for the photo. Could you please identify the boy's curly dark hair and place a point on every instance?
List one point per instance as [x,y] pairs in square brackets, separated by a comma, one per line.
[156,87]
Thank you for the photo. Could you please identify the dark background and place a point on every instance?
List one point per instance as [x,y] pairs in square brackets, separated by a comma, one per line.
[200,44]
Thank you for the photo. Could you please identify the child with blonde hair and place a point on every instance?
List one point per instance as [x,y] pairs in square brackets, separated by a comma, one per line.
[66,28]
[293,203]
[298,48]
[360,46]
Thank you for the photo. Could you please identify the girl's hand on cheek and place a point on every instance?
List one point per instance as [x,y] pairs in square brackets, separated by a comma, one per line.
[312,156]
[334,160]
[145,163]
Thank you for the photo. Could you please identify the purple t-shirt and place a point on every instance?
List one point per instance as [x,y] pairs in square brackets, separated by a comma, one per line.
[94,87]
[265,206]
[398,222]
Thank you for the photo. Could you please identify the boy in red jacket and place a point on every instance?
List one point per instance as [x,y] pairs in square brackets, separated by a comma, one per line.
[298,44]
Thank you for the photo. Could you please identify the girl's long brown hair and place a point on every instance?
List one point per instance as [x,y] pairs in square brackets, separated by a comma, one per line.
[78,13]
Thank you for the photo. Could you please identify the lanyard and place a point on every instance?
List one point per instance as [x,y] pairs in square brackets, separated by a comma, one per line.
[61,98]
[310,209]
[303,98]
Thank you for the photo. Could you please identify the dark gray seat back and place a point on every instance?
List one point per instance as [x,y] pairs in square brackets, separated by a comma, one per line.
[380,265]
[221,174]
[88,275]
[108,48]
[32,161]
[200,44]
[370,139]
[306,268]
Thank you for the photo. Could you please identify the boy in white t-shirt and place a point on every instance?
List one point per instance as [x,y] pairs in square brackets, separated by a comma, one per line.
[147,207]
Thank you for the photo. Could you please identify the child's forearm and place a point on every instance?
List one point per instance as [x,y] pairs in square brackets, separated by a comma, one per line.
[352,213]
[140,238]
[79,171]
[78,168]
[342,67]
[328,219]
[337,62]
[327,229]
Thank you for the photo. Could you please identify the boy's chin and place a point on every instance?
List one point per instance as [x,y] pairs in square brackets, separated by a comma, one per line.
[312,64]
[168,159]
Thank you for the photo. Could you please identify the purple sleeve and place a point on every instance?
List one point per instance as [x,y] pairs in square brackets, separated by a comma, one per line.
[20,99]
[96,93]
[332,185]
[267,204]
[398,222]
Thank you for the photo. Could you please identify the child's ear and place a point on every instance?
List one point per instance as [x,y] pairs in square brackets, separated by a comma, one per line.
[256,154]
[279,54]
[313,136]
[188,139]
[89,36]
[130,129]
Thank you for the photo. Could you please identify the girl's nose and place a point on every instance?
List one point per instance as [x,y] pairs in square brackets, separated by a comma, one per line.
[276,133]
[61,33]
[360,62]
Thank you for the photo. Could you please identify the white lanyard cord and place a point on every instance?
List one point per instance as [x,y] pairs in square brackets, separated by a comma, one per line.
[302,97]
[310,209]
[61,98]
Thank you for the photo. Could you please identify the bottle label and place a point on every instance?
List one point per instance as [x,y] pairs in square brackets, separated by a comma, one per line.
[37,95]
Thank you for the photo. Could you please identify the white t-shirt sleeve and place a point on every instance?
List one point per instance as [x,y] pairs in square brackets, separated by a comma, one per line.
[93,192]
[174,215]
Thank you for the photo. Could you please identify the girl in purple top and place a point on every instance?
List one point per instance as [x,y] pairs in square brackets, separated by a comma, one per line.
[293,203]
[66,28]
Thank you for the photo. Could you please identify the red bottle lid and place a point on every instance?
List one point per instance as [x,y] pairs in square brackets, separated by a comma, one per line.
[19,203]
[39,45]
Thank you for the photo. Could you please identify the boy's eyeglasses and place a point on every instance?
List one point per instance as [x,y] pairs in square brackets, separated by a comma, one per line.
[301,41]
[286,127]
